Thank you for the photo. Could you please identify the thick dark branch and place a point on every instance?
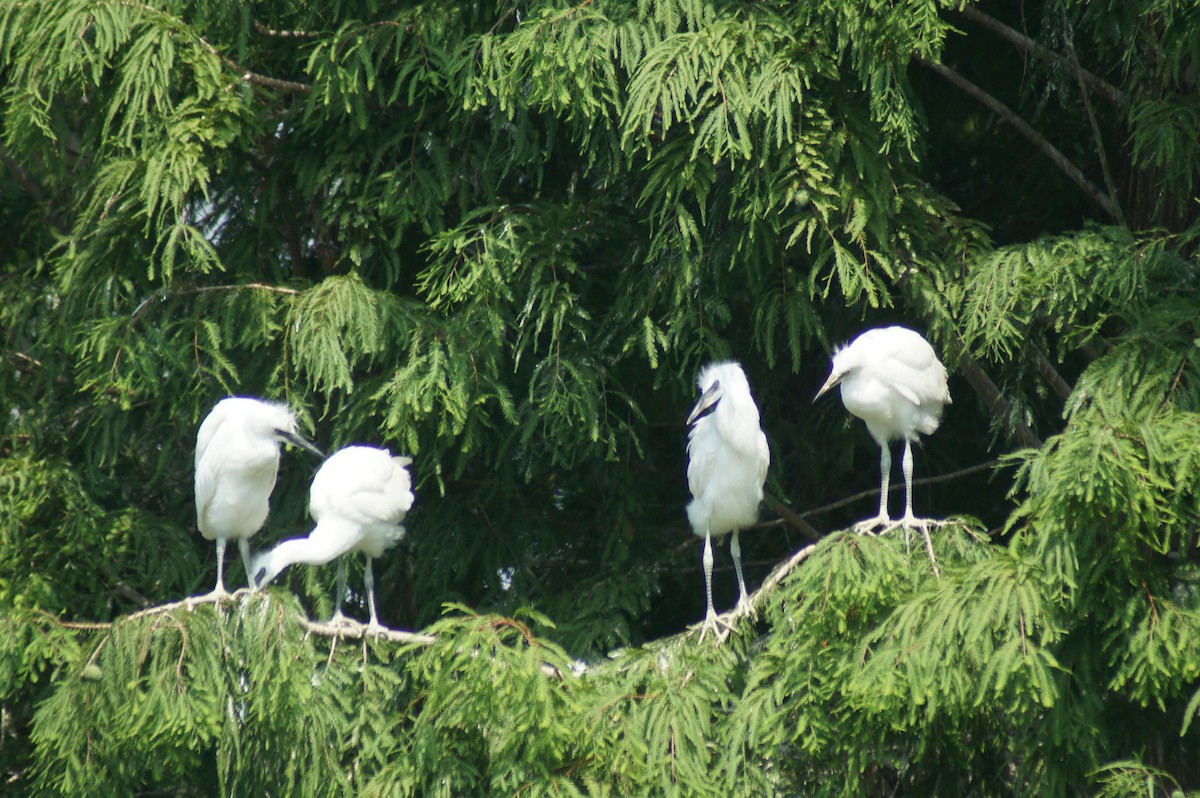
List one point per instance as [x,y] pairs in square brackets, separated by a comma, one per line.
[794,519]
[125,591]
[1050,374]
[1096,84]
[1025,129]
[997,404]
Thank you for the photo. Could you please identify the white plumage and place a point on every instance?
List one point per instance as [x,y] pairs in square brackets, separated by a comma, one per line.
[891,378]
[237,460]
[727,466]
[358,499]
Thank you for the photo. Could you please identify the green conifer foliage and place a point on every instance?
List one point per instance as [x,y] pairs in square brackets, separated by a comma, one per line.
[502,238]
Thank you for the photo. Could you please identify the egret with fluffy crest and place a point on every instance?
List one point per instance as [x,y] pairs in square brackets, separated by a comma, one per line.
[237,461]
[727,466]
[891,378]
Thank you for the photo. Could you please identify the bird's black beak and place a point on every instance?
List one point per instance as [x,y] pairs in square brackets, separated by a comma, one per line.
[706,404]
[258,578]
[303,443]
[834,380]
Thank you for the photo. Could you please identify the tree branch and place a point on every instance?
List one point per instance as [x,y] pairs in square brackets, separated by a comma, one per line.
[874,492]
[1091,115]
[1050,374]
[775,577]
[1024,128]
[247,75]
[794,519]
[997,404]
[1097,84]
[361,631]
[283,34]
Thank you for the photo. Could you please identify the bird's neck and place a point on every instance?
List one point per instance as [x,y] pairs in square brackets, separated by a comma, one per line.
[740,417]
[326,542]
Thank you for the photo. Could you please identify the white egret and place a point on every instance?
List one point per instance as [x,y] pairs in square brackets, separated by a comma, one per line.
[358,499]
[237,460]
[891,378]
[727,466]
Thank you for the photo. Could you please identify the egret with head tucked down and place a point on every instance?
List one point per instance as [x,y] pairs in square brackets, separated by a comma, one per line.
[358,499]
[891,378]
[237,462]
[727,466]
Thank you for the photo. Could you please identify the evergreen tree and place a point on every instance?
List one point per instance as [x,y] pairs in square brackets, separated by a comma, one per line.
[503,238]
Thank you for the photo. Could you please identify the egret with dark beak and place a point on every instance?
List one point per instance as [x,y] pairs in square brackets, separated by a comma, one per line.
[727,466]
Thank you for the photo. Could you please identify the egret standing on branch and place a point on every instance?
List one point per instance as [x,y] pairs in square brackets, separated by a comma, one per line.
[891,378]
[237,460]
[727,465]
[358,499]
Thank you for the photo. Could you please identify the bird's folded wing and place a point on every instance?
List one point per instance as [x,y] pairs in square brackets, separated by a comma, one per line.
[702,457]
[908,393]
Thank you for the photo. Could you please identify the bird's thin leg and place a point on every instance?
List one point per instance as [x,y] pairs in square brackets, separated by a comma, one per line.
[710,614]
[735,548]
[711,620]
[909,520]
[244,548]
[220,588]
[907,465]
[218,593]
[885,473]
[885,476]
[369,581]
[341,591]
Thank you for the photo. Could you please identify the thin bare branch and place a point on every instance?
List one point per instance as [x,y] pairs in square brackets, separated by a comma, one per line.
[283,34]
[775,577]
[874,492]
[1091,115]
[1025,129]
[1096,84]
[247,75]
